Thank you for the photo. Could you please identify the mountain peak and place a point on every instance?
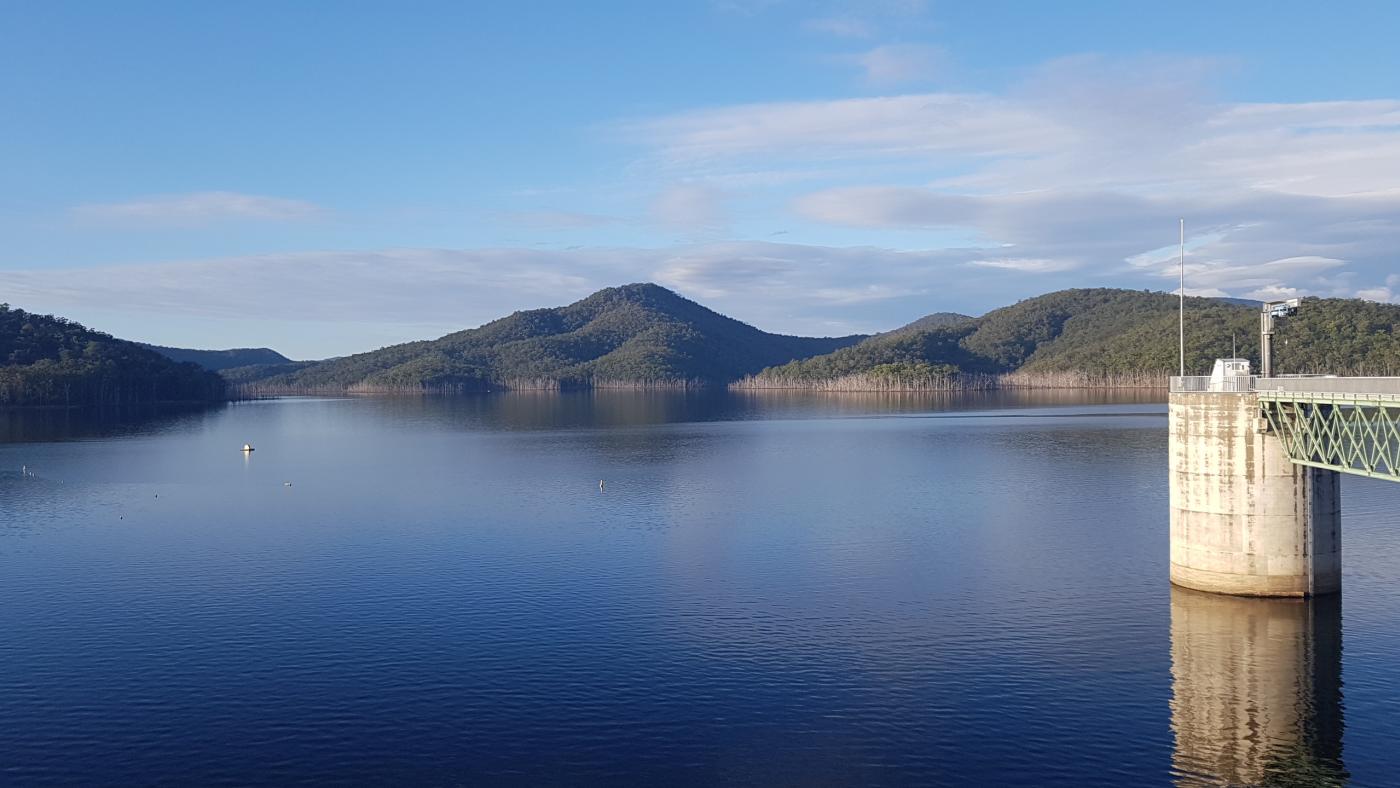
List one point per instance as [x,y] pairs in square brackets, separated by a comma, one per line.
[637,293]
[639,333]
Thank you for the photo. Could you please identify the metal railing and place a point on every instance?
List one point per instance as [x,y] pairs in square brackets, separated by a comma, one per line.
[1207,384]
[1293,384]
[1323,384]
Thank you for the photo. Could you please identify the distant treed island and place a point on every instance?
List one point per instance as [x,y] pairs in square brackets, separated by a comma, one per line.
[49,361]
[645,336]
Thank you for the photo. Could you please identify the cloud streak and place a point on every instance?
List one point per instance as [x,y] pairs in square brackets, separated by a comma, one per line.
[843,26]
[692,208]
[784,287]
[893,64]
[1085,166]
[196,209]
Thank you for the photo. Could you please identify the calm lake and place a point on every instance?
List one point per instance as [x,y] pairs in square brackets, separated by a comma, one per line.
[766,590]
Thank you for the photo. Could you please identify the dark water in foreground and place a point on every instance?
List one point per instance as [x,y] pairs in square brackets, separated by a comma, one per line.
[769,591]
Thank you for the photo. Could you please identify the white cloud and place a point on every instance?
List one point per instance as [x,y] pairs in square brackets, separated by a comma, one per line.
[892,64]
[1385,295]
[844,26]
[559,220]
[197,208]
[1239,245]
[1032,265]
[920,126]
[692,208]
[1087,165]
[1077,123]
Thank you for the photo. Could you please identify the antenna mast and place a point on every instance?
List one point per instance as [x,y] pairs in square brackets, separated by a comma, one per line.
[1181,301]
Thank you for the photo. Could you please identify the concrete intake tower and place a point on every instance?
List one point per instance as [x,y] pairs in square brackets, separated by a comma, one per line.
[1245,518]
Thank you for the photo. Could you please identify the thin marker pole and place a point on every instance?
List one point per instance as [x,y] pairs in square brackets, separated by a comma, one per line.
[1181,301]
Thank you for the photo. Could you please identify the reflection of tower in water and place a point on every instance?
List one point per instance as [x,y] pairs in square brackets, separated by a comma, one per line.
[1257,690]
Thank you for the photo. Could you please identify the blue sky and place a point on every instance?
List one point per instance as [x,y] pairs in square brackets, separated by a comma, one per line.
[331,177]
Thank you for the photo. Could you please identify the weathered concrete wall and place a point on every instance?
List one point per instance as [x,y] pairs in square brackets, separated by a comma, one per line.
[1245,520]
[1256,690]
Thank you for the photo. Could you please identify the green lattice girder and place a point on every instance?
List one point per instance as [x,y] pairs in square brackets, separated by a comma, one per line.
[1351,433]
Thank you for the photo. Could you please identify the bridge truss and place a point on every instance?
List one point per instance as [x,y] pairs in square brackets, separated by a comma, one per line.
[1351,433]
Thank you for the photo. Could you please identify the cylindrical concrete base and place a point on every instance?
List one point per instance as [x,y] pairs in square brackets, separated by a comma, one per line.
[1244,519]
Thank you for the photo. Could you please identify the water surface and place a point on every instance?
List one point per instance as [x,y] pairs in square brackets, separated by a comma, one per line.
[767,590]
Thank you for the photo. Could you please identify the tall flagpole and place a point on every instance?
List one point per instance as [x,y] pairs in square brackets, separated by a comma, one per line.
[1181,301]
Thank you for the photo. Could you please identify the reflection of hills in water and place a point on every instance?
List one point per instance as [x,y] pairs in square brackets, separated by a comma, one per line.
[602,408]
[1256,687]
[531,410]
[41,425]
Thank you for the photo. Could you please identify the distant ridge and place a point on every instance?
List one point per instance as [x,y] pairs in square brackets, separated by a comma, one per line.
[1098,337]
[217,360]
[637,335]
[645,336]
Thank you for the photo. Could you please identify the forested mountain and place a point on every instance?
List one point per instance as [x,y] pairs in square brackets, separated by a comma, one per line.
[216,360]
[935,320]
[1105,335]
[46,360]
[635,335]
[646,335]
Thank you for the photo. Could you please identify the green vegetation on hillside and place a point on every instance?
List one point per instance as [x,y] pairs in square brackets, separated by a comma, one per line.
[935,320]
[218,360]
[644,335]
[46,360]
[1109,335]
[640,334]
[902,354]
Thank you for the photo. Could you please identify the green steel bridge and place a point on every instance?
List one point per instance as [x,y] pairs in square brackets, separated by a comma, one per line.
[1351,425]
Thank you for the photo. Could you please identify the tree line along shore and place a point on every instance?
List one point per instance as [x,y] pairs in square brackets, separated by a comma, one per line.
[644,336]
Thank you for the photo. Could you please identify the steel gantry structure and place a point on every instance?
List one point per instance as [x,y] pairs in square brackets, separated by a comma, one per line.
[1351,425]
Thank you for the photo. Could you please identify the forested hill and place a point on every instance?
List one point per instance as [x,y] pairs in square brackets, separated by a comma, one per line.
[49,361]
[635,335]
[216,360]
[1104,335]
[935,320]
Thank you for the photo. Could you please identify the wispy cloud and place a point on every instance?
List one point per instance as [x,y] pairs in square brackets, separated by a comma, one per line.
[893,64]
[559,220]
[1030,265]
[843,26]
[1387,293]
[197,208]
[1085,166]
[693,208]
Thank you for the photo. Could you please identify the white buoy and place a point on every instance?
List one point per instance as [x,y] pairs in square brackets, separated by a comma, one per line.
[286,484]
[600,484]
[247,447]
